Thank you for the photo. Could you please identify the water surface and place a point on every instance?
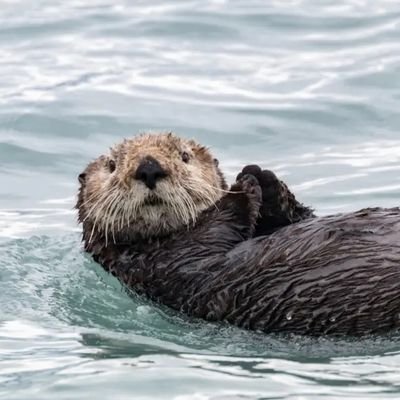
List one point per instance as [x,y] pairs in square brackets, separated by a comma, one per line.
[307,88]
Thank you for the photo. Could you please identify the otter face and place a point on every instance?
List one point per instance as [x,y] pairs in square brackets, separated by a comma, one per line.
[147,186]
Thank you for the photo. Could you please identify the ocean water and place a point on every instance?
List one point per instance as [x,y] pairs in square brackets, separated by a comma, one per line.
[308,88]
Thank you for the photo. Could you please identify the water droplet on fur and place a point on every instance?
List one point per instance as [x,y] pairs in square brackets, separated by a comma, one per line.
[289,316]
[332,319]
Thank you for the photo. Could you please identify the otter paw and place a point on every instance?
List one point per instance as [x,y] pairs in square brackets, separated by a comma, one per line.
[268,181]
[248,184]
[254,170]
[275,194]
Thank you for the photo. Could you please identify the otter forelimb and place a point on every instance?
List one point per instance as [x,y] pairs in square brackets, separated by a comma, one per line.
[279,206]
[178,272]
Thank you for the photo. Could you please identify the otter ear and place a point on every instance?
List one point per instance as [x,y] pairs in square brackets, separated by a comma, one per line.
[216,162]
[82,178]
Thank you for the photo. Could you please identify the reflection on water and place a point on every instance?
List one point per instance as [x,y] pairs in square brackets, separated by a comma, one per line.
[307,88]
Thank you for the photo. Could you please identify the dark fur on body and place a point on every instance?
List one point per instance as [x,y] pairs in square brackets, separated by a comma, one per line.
[332,275]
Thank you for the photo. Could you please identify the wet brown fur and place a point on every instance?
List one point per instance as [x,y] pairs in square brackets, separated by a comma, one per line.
[188,189]
[332,275]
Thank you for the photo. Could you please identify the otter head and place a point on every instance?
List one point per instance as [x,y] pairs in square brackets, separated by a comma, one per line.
[148,186]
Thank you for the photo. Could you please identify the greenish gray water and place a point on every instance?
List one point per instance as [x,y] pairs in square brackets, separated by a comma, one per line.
[308,88]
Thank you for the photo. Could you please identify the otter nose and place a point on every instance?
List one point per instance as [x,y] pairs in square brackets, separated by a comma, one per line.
[149,172]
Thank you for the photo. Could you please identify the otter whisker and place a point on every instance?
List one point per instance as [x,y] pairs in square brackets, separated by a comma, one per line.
[121,212]
[112,215]
[202,184]
[91,233]
[97,214]
[176,211]
[101,198]
[126,214]
[104,197]
[127,210]
[122,217]
[106,212]
[191,207]
[179,204]
[208,197]
[182,212]
[134,210]
[90,198]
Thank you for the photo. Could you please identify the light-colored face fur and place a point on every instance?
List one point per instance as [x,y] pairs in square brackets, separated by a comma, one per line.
[115,204]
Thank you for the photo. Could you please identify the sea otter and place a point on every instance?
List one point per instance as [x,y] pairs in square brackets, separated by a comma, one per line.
[157,213]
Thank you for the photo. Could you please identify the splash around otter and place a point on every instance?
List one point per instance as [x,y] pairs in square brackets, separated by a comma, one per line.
[157,214]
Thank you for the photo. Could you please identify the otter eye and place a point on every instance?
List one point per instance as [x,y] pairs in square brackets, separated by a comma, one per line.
[111,165]
[185,157]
